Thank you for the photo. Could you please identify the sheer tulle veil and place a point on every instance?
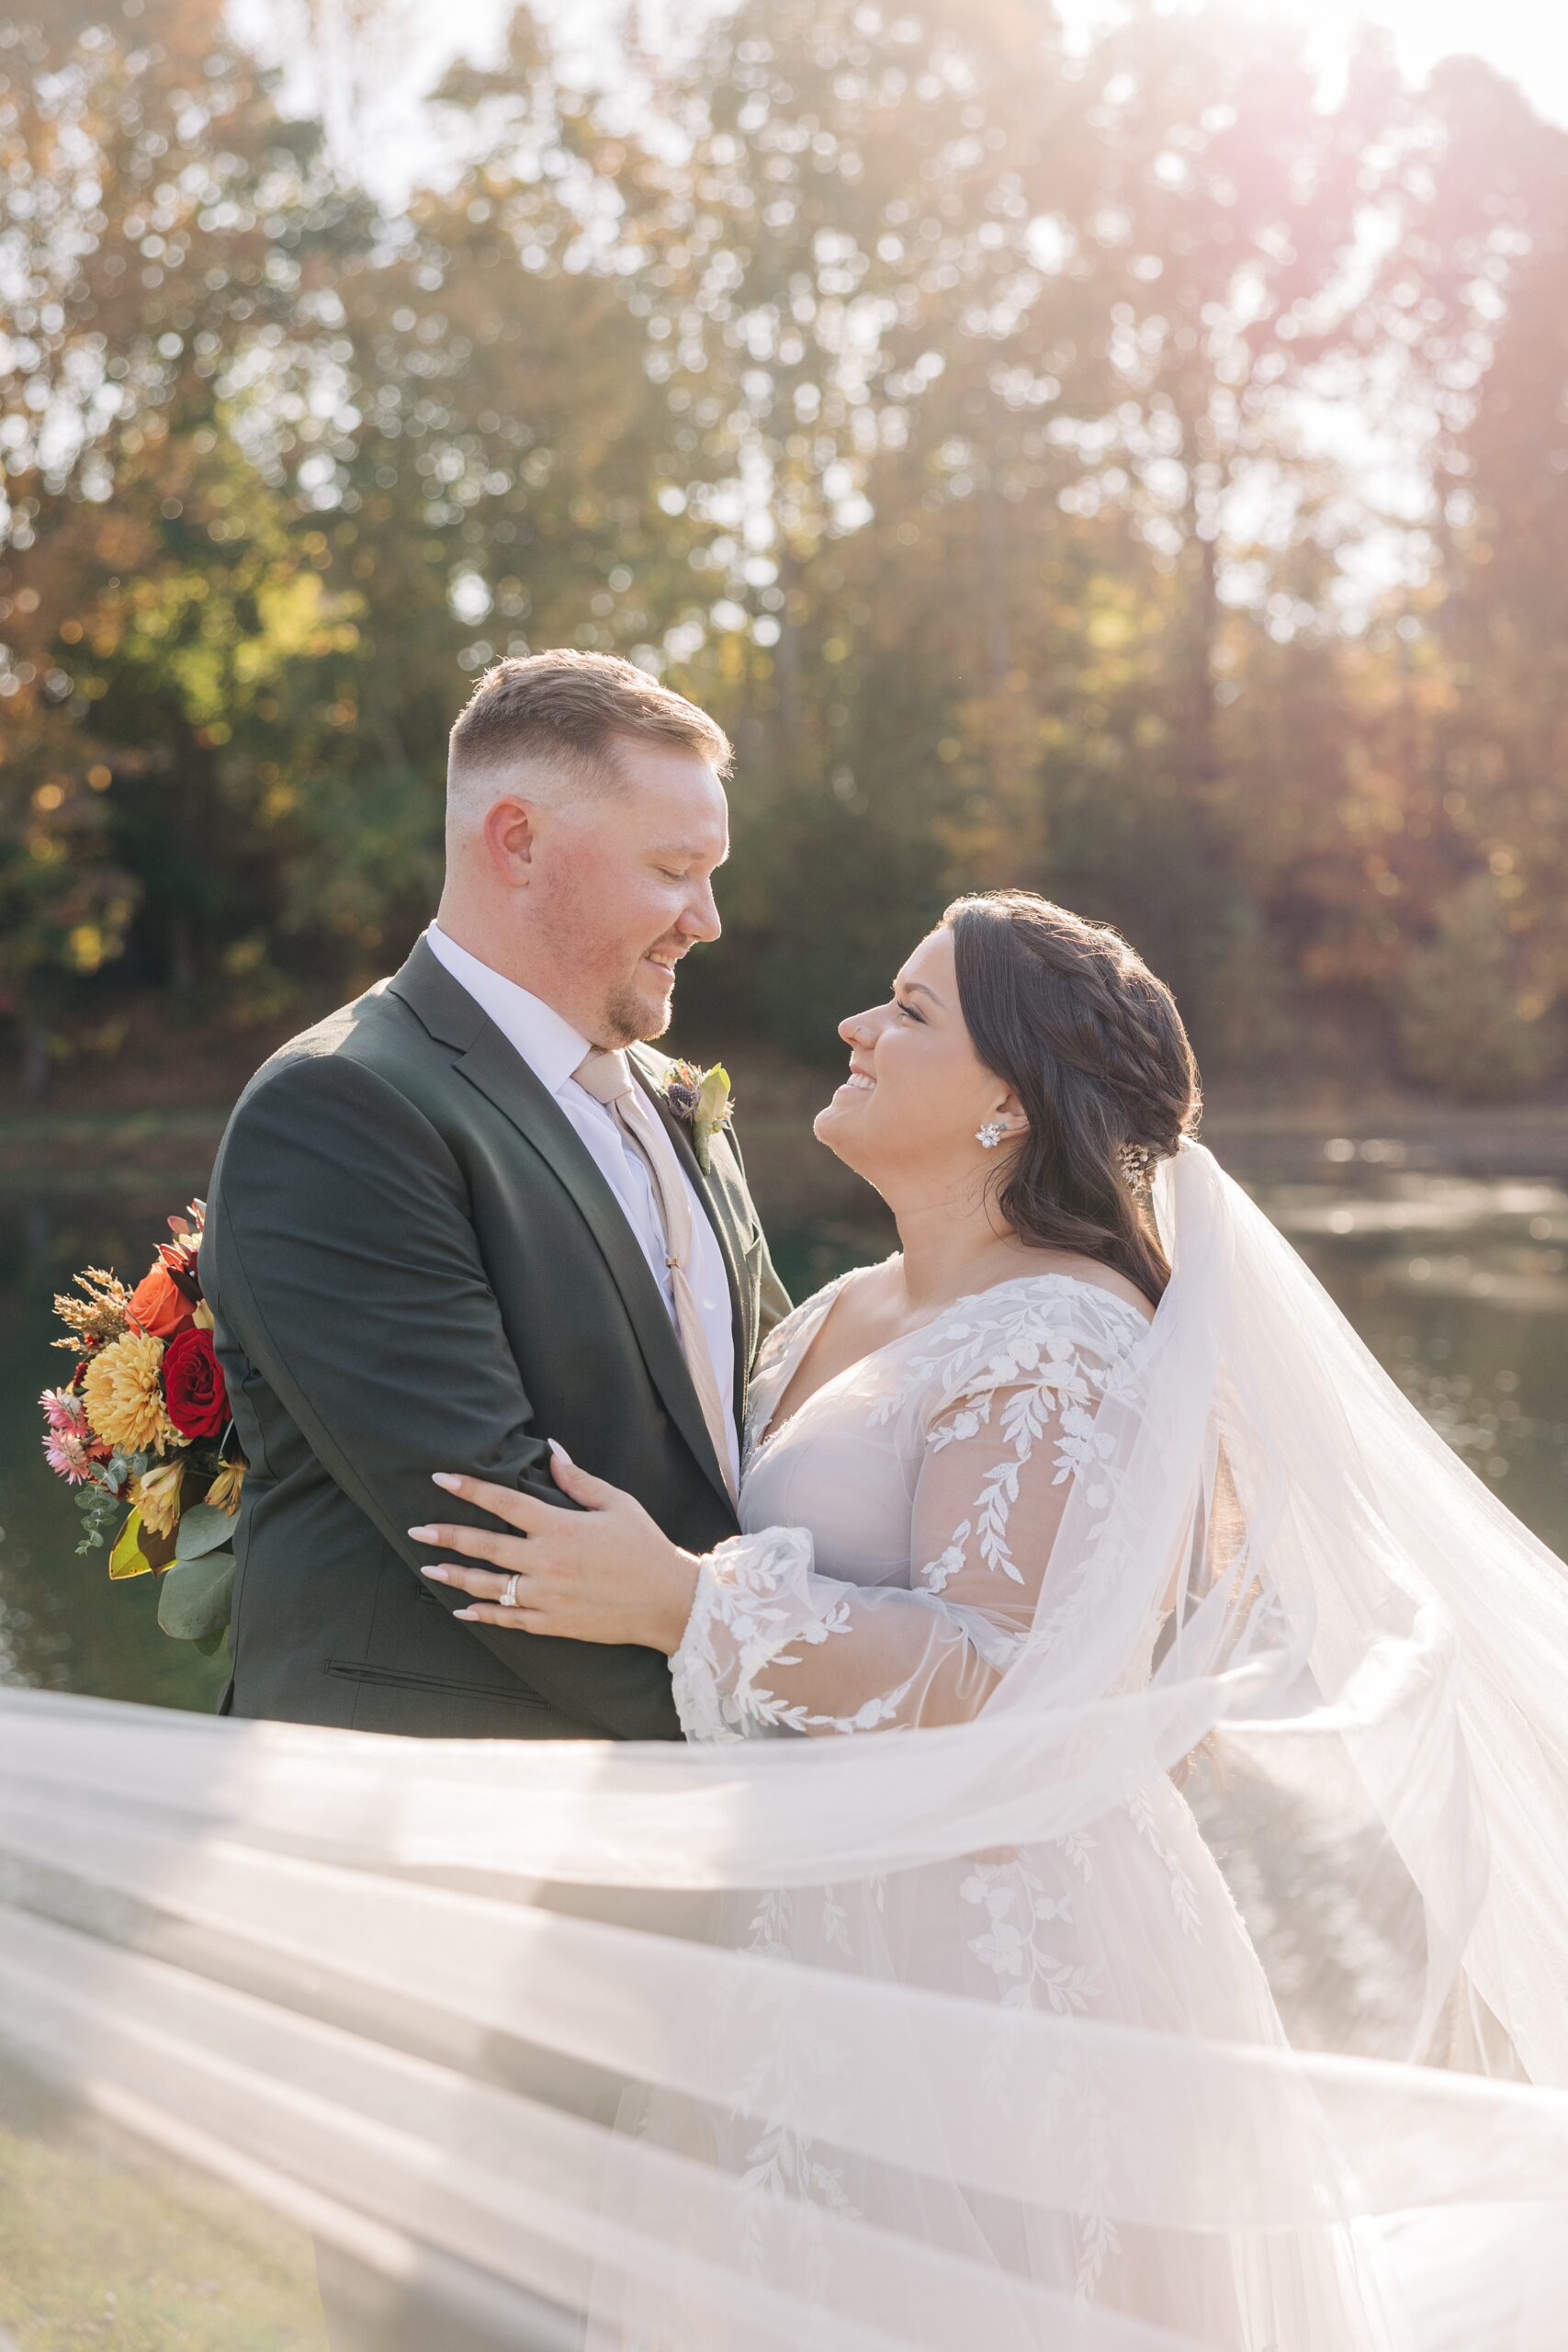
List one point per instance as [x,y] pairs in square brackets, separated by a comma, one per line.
[499,2020]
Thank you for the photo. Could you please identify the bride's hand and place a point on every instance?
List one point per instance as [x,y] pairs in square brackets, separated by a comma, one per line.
[605,1572]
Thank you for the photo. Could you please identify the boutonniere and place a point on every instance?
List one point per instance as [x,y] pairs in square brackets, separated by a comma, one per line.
[701,1098]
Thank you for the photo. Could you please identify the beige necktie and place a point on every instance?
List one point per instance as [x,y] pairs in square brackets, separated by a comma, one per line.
[608,1078]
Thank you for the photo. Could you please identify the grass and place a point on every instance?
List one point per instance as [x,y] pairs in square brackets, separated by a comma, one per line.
[104,2243]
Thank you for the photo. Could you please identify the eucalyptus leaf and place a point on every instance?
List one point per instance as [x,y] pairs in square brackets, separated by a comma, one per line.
[193,1601]
[202,1529]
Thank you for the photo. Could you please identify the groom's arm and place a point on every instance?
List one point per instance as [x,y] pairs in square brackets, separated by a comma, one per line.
[349,1270]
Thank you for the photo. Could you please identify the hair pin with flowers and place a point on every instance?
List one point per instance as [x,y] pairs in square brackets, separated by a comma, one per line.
[142,1428]
[1137,1163]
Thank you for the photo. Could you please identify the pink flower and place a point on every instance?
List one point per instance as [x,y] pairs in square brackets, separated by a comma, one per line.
[63,1413]
[69,1444]
[67,1456]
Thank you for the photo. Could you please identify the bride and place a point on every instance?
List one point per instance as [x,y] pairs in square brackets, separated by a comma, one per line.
[994,1479]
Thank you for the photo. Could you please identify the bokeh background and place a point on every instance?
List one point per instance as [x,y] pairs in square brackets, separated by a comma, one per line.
[1117,449]
[1123,453]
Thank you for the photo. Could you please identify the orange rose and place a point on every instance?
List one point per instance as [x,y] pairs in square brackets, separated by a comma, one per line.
[158,1305]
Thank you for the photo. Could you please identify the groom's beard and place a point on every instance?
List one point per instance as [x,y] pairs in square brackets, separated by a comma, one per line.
[628,1021]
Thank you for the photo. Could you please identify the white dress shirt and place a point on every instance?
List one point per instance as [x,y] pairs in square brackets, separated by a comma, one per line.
[553,1049]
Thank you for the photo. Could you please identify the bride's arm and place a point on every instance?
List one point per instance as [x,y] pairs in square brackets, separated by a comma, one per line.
[760,1641]
[772,1645]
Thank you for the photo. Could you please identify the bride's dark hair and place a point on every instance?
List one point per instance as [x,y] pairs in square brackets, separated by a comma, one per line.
[1092,1045]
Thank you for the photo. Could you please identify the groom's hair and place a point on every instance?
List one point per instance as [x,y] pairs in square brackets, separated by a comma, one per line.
[564,715]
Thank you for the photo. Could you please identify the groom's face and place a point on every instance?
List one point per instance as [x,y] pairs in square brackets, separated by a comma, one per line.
[625,885]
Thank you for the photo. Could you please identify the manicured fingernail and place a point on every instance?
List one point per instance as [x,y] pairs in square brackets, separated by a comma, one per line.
[561,1454]
[436,1575]
[424,1535]
[465,1612]
[445,1478]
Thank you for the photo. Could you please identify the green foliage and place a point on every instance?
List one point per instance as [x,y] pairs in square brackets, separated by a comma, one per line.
[1467,1020]
[100,1499]
[934,400]
[194,1597]
[202,1528]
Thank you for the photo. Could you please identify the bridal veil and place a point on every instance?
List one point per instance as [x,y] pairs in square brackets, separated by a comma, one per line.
[421,1997]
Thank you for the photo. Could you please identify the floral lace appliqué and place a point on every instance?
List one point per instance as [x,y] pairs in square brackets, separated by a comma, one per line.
[743,1590]
[1016,1945]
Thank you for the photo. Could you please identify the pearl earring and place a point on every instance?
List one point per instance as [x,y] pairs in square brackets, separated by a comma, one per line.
[990,1135]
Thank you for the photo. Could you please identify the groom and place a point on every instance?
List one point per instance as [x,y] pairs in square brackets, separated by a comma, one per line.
[458,1220]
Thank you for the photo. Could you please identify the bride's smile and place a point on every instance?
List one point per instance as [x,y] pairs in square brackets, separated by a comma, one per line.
[918,1094]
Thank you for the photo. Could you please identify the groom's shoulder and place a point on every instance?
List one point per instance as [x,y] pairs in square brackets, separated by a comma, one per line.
[363,1036]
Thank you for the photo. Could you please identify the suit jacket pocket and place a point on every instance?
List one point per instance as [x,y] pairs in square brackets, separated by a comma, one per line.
[393,1678]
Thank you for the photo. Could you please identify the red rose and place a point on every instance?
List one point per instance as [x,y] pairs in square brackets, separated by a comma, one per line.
[193,1386]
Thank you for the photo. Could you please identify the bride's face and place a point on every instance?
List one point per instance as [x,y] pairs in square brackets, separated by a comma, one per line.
[917,1093]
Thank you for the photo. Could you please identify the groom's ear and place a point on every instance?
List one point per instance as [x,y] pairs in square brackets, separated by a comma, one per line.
[510,838]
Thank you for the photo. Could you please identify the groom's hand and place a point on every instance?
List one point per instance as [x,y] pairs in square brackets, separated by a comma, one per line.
[602,1573]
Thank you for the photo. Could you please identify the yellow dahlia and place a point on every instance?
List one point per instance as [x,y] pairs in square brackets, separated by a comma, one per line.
[156,1496]
[224,1492]
[124,1396]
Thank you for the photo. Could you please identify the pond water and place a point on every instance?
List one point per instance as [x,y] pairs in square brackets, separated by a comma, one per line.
[1459,1284]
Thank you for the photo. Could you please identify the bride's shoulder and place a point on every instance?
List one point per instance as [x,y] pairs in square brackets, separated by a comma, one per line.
[1097,1294]
[1032,1325]
[1063,1289]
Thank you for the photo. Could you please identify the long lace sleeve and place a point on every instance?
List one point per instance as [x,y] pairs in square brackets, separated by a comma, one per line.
[774,1647]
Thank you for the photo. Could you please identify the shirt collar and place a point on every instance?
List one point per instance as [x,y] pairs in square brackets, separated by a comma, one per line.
[546,1040]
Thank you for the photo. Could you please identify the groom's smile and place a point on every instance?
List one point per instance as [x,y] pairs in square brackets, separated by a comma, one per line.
[664,959]
[630,892]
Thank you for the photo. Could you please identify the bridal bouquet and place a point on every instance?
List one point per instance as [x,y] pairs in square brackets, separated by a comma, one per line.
[144,1422]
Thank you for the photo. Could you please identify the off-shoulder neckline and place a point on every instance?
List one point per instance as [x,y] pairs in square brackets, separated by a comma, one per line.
[826,1297]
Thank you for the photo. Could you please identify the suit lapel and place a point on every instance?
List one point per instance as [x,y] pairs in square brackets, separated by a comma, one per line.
[716,1207]
[486,1059]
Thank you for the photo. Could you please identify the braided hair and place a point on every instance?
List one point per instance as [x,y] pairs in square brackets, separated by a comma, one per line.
[1074,1022]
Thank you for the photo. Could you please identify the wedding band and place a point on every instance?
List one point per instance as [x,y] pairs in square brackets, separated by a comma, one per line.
[509,1598]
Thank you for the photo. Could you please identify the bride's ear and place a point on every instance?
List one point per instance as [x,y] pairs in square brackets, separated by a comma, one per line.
[1009,1114]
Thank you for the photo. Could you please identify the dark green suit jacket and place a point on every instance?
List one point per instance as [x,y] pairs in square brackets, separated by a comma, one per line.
[415,1265]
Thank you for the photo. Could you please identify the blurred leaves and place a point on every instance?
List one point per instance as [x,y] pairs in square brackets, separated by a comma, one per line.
[1096,466]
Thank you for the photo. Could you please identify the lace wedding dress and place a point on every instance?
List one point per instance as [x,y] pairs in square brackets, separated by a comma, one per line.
[899,1530]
